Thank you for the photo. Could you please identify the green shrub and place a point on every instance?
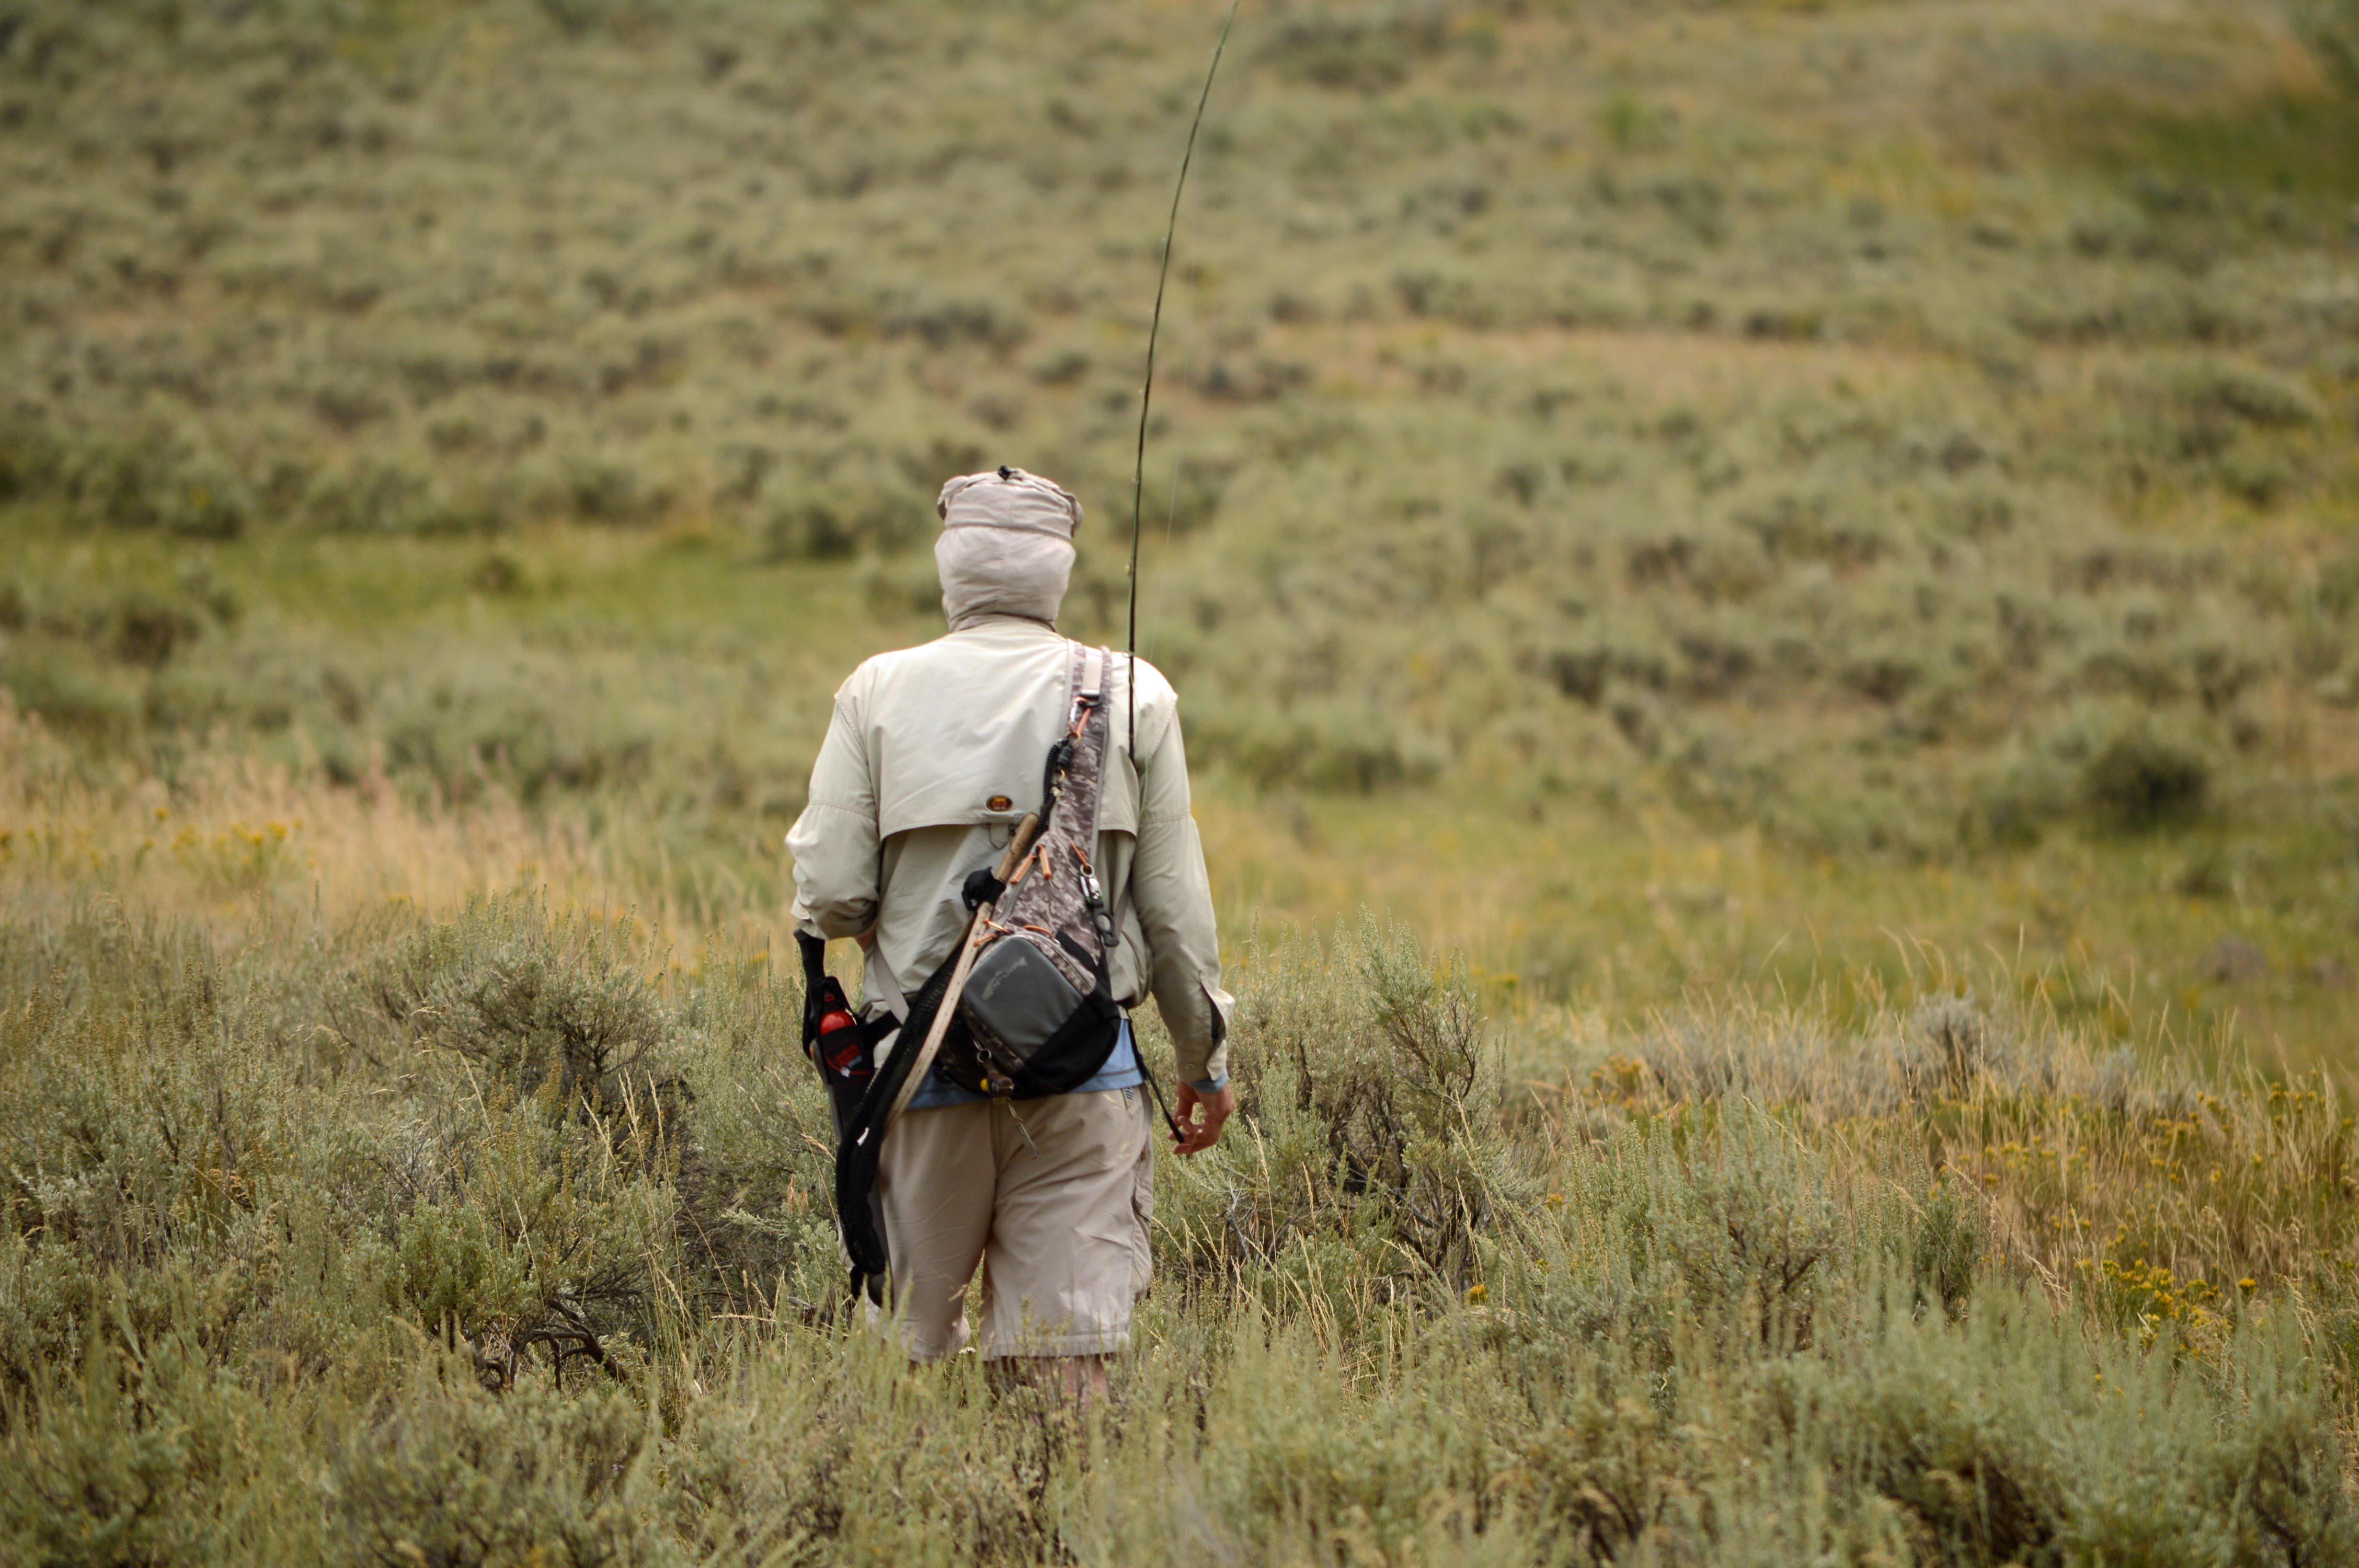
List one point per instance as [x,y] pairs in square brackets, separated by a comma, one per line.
[530,1003]
[151,1454]
[1365,53]
[800,519]
[2331,28]
[148,628]
[68,692]
[2227,391]
[158,479]
[444,1474]
[603,490]
[2138,780]
[366,495]
[1371,1110]
[29,457]
[1331,745]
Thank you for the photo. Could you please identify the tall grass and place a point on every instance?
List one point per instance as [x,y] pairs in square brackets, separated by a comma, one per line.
[490,1237]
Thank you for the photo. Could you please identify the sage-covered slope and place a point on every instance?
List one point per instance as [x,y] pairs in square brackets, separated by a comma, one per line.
[1866,419]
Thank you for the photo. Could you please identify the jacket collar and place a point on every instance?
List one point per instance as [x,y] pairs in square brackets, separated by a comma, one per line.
[1013,628]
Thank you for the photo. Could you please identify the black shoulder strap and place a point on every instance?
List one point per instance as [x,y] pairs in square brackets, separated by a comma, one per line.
[864,1141]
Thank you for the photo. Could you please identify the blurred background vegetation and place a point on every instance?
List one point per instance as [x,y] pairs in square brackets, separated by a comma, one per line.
[1656,495]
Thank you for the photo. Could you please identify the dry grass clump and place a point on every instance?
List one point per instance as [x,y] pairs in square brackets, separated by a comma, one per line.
[237,840]
[2163,1198]
[229,828]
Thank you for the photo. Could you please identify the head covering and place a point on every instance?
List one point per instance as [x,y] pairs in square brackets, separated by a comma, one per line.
[1006,547]
[1009,498]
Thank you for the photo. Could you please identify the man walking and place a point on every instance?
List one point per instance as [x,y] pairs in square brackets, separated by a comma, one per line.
[933,756]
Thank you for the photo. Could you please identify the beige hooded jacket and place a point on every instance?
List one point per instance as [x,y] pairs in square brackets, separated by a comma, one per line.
[934,754]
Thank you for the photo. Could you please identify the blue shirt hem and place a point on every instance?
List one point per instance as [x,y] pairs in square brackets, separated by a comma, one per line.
[1121,1072]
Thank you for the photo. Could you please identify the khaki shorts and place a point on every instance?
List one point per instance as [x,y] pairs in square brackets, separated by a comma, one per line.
[1055,1207]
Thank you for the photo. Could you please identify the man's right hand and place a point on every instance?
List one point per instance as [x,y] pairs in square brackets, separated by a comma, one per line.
[1198,1133]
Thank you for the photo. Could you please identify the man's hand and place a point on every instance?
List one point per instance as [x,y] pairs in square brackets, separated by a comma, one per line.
[1200,1133]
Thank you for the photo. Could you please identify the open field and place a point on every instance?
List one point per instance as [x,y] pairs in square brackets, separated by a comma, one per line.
[1815,547]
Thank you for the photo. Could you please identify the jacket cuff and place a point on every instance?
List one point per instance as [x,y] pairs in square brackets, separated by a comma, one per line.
[1213,1065]
[1212,1068]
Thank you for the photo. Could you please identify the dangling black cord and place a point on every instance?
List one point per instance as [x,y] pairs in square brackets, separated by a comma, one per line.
[1155,1089]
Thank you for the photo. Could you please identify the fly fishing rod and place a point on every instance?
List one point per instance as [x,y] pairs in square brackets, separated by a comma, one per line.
[1146,390]
[1138,458]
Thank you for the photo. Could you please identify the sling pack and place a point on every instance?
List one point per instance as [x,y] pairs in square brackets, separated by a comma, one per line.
[1039,1003]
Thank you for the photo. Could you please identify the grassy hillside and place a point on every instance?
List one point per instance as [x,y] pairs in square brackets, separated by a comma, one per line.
[1815,545]
[1908,437]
